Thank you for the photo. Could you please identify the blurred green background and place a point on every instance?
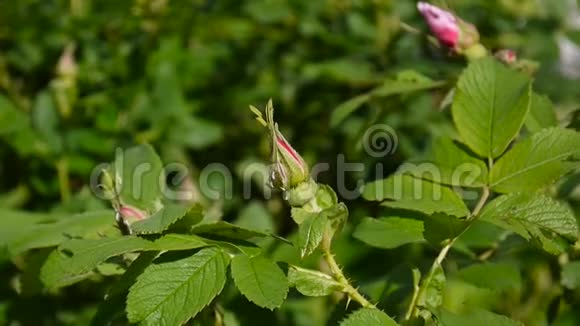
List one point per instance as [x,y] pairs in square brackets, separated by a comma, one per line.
[80,78]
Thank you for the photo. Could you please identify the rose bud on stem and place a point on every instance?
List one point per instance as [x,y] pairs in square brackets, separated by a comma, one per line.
[510,58]
[288,170]
[451,31]
[310,202]
[125,215]
[506,56]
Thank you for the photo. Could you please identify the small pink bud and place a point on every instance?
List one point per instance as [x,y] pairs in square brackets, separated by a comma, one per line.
[67,65]
[443,24]
[507,56]
[288,169]
[131,214]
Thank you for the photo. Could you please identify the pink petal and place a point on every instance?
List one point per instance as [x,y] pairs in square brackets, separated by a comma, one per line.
[443,24]
[128,212]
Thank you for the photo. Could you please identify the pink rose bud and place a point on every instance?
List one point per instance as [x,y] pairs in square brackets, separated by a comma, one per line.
[288,167]
[443,24]
[449,29]
[288,171]
[506,56]
[67,65]
[131,214]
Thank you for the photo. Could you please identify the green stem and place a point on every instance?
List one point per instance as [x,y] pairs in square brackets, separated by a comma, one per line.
[443,254]
[63,179]
[336,271]
[408,28]
[338,275]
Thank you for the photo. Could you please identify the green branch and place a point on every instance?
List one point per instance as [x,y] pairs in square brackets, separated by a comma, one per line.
[338,275]
[335,269]
[443,254]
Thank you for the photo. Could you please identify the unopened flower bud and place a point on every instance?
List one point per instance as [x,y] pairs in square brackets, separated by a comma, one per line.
[131,214]
[288,170]
[449,29]
[443,24]
[508,57]
[67,66]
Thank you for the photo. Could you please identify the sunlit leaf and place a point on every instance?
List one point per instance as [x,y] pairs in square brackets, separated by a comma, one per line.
[260,280]
[407,192]
[170,292]
[489,106]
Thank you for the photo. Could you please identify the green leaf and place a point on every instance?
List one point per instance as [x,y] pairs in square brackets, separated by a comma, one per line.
[449,164]
[11,119]
[476,317]
[481,234]
[91,224]
[172,241]
[440,227]
[227,230]
[234,247]
[404,82]
[535,161]
[541,114]
[327,201]
[533,216]
[196,133]
[75,258]
[255,216]
[311,232]
[390,232]
[299,214]
[16,129]
[169,292]
[490,104]
[493,276]
[113,305]
[570,276]
[341,70]
[29,281]
[434,286]
[15,223]
[406,192]
[260,280]
[89,141]
[139,177]
[345,109]
[326,197]
[368,317]
[337,216]
[164,218]
[312,283]
[45,119]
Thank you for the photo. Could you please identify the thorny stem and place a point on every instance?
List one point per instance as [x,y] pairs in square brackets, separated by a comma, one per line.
[443,253]
[352,292]
[337,273]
